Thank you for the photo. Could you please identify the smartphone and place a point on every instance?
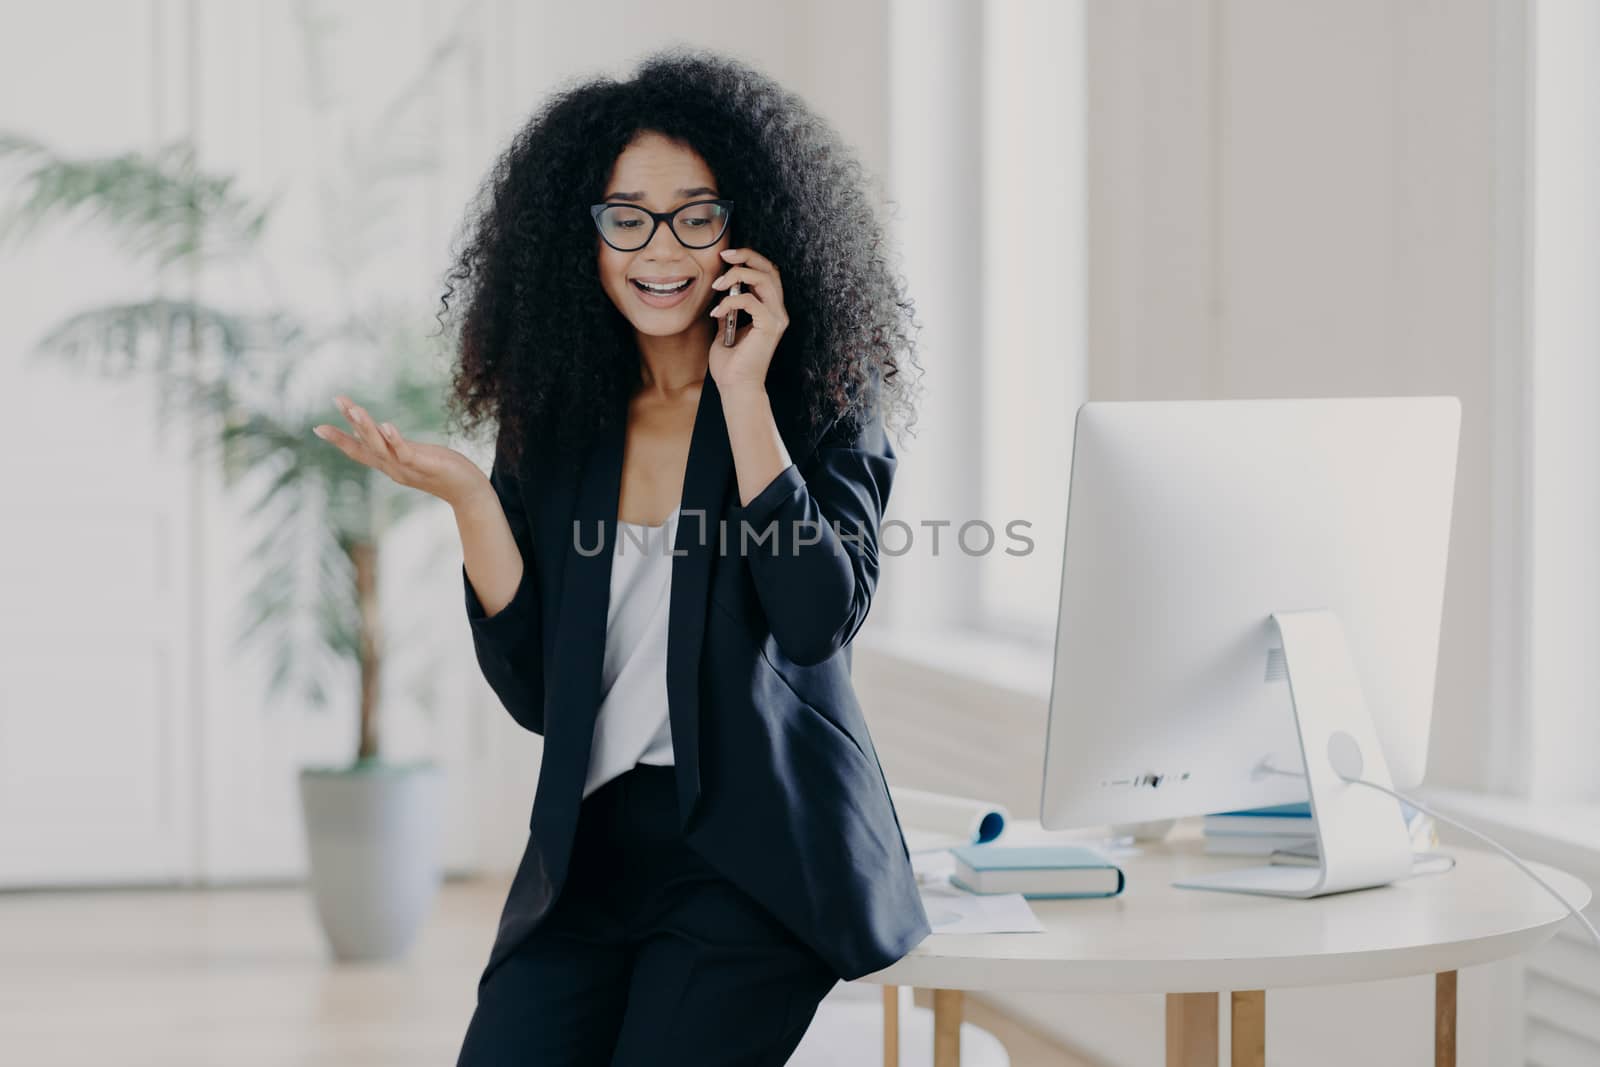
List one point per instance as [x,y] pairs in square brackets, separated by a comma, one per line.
[732,318]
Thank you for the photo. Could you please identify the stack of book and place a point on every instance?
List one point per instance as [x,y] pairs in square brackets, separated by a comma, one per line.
[1289,828]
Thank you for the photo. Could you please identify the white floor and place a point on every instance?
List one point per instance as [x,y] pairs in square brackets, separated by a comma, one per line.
[238,977]
[181,978]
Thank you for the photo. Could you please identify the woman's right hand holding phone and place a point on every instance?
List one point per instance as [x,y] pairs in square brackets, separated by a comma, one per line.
[435,469]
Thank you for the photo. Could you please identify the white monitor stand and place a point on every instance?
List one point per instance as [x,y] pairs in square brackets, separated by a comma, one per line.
[1361,833]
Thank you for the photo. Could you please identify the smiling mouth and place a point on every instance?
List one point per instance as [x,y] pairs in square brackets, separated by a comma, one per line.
[659,289]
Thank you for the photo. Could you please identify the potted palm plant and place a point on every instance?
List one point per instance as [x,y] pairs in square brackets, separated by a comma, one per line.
[247,380]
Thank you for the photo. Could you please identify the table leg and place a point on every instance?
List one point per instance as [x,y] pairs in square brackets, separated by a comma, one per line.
[1192,1030]
[1249,1028]
[947,1028]
[1444,1019]
[891,1026]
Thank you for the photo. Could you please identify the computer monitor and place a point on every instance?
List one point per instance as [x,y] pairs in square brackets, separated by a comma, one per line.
[1250,587]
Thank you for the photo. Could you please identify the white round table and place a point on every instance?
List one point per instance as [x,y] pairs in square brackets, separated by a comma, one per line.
[1192,944]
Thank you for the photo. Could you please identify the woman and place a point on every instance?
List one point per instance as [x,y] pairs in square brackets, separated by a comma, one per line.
[712,844]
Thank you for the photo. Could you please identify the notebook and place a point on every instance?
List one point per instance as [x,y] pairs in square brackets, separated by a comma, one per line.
[1279,819]
[1041,871]
[1286,819]
[1254,844]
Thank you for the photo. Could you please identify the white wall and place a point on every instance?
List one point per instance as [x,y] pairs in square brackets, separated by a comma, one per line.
[934,94]
[126,713]
[1563,500]
[1313,200]
[1307,199]
[96,636]
[1310,200]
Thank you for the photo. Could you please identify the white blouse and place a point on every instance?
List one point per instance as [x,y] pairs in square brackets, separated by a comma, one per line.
[632,725]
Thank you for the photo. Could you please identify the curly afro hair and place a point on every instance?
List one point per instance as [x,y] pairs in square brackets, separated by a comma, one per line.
[543,351]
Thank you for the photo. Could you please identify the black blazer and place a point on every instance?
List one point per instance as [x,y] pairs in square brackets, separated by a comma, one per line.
[779,784]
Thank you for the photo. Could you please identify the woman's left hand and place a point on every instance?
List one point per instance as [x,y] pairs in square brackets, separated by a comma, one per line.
[745,364]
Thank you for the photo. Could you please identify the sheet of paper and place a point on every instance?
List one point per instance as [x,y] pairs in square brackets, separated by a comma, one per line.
[955,911]
[952,910]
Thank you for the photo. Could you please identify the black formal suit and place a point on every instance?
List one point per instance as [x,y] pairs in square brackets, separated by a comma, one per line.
[779,785]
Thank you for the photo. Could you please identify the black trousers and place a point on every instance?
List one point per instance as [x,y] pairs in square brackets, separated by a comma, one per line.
[648,956]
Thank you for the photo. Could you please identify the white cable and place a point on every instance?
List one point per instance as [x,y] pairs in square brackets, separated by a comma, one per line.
[1506,852]
[1431,855]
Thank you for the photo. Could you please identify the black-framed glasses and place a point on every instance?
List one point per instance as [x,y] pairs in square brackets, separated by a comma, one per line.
[628,227]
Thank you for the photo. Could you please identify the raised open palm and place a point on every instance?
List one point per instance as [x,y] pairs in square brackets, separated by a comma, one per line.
[435,469]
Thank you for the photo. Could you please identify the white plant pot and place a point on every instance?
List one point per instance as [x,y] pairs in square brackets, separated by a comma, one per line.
[373,839]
